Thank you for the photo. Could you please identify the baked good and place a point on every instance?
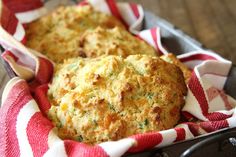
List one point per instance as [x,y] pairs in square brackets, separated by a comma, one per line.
[110,97]
[57,35]
[72,31]
[102,98]
[171,58]
[115,41]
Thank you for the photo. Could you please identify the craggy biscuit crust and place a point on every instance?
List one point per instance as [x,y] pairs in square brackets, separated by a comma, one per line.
[171,58]
[58,34]
[72,31]
[116,41]
[109,98]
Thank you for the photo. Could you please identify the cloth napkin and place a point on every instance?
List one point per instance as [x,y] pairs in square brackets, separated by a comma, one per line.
[24,127]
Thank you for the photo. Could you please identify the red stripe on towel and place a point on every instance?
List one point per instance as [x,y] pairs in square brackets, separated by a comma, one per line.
[146,141]
[180,134]
[154,36]
[217,116]
[135,10]
[16,99]
[76,149]
[215,125]
[198,57]
[23,5]
[45,71]
[83,3]
[41,98]
[8,20]
[37,131]
[115,11]
[198,92]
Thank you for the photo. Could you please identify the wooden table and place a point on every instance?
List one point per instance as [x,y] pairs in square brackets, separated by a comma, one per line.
[212,22]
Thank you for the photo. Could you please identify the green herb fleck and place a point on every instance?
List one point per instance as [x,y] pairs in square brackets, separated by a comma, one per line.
[119,38]
[59,125]
[95,122]
[140,125]
[150,95]
[72,110]
[110,74]
[111,107]
[91,96]
[143,124]
[71,66]
[79,138]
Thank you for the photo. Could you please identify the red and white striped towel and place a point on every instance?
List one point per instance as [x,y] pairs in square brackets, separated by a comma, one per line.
[26,131]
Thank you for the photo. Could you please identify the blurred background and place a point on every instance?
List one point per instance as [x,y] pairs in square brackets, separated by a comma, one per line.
[212,22]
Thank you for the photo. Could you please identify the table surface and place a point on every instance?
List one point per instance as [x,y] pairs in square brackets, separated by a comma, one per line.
[212,22]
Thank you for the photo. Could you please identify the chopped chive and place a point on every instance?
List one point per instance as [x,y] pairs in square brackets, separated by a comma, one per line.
[150,95]
[79,138]
[95,122]
[111,107]
[143,124]
[140,126]
[110,74]
[91,96]
[59,125]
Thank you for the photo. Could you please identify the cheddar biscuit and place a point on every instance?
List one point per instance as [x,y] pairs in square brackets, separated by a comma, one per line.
[57,35]
[72,31]
[110,97]
[116,41]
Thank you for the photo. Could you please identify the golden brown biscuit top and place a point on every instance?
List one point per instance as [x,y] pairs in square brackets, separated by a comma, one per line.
[171,58]
[116,41]
[109,98]
[57,35]
[81,31]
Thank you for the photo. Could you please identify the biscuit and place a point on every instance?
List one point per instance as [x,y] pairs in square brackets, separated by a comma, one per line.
[82,32]
[57,35]
[110,97]
[116,41]
[171,58]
